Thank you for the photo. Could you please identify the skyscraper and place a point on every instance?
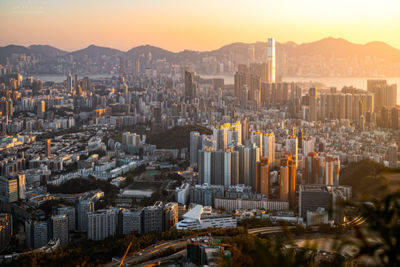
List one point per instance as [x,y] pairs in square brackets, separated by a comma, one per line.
[204,165]
[37,86]
[257,139]
[393,157]
[385,120]
[153,218]
[220,136]
[385,94]
[240,81]
[312,100]
[288,180]
[102,224]
[84,207]
[300,135]
[130,221]
[263,183]
[8,189]
[58,228]
[70,213]
[234,134]
[332,171]
[21,181]
[41,109]
[308,146]
[245,97]
[251,155]
[219,167]
[292,148]
[268,147]
[48,147]
[271,60]
[195,145]
[190,86]
[394,121]
[170,215]
[35,234]
[310,170]
[69,83]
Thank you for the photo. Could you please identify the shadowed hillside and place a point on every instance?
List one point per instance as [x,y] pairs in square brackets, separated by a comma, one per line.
[369,178]
[177,137]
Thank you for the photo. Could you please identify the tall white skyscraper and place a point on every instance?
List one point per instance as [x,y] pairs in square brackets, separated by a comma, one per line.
[271,60]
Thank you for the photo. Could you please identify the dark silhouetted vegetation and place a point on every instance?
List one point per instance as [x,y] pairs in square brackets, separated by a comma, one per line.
[177,137]
[80,185]
[254,223]
[248,250]
[366,178]
[379,241]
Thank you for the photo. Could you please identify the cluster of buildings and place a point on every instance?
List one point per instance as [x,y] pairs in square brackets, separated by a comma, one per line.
[270,145]
[99,224]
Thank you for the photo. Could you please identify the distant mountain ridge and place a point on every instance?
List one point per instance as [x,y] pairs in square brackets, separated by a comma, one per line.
[301,59]
[336,46]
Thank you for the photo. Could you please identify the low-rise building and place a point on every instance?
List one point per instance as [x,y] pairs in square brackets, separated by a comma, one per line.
[201,217]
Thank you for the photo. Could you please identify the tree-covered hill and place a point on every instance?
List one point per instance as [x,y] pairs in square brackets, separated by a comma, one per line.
[177,137]
[368,179]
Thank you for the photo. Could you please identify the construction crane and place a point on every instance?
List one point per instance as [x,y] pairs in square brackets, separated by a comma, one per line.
[126,253]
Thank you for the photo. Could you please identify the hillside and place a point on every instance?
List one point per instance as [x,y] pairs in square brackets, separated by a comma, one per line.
[325,57]
[95,52]
[369,178]
[177,137]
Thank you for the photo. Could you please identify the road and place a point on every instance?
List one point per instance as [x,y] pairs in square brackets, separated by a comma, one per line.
[269,230]
[163,259]
[145,254]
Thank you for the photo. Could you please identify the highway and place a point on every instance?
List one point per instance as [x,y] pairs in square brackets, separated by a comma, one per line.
[144,255]
[147,253]
[269,230]
[177,255]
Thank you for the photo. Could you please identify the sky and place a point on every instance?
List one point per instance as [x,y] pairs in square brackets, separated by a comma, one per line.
[196,25]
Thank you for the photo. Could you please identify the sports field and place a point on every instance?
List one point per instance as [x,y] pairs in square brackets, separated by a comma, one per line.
[151,173]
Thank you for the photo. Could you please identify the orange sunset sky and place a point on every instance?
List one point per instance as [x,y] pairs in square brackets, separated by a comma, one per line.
[196,25]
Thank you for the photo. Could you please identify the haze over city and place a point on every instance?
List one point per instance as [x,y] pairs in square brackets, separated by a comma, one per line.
[199,133]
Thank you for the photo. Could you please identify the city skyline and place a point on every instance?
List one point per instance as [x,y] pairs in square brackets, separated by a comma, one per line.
[242,119]
[179,25]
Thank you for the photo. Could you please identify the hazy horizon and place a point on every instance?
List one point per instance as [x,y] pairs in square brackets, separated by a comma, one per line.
[177,25]
[177,51]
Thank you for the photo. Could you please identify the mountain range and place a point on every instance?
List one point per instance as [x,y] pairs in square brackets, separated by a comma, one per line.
[325,49]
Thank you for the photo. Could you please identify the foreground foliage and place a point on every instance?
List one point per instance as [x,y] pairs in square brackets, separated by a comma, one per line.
[376,242]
